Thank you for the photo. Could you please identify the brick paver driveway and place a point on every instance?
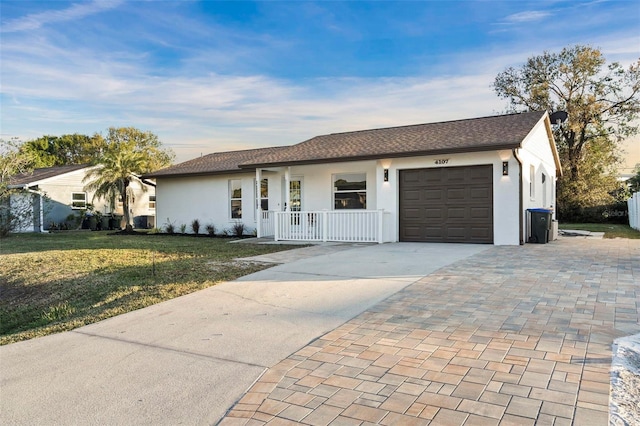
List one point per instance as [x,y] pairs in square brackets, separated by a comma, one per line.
[513,335]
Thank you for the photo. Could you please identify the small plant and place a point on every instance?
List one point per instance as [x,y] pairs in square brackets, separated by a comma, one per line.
[238,229]
[154,231]
[195,226]
[58,312]
[170,227]
[183,228]
[211,230]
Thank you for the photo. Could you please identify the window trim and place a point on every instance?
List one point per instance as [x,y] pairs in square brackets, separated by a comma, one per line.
[335,191]
[73,206]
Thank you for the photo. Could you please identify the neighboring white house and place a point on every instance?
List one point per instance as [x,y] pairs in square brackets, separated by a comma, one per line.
[53,195]
[457,181]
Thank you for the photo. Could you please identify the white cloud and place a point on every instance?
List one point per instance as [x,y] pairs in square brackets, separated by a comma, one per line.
[76,11]
[527,16]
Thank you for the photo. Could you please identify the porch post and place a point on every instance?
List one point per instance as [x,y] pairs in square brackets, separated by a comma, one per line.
[287,188]
[258,202]
[380,226]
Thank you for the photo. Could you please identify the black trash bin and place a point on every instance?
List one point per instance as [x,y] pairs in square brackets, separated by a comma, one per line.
[540,225]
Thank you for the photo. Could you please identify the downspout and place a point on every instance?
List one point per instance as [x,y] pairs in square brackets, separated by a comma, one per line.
[520,201]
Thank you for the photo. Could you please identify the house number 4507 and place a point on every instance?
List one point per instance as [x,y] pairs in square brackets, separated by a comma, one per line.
[442,161]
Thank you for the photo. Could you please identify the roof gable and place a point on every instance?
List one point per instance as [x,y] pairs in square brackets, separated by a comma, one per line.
[38,175]
[216,163]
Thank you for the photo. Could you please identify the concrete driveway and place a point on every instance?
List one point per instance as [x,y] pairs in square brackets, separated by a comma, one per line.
[188,360]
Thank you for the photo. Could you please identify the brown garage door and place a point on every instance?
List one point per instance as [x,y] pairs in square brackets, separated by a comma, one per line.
[448,204]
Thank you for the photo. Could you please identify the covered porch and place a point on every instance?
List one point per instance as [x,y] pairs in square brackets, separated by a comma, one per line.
[347,215]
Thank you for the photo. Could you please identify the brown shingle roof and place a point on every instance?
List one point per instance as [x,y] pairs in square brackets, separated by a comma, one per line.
[477,134]
[43,173]
[216,163]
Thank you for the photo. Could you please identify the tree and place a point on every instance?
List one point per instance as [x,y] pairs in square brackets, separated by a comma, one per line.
[634,181]
[128,153]
[602,102]
[12,162]
[147,144]
[49,151]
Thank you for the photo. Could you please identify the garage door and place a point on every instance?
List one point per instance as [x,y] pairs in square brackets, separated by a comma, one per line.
[449,204]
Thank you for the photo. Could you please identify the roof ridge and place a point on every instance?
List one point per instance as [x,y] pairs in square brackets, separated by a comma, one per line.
[433,122]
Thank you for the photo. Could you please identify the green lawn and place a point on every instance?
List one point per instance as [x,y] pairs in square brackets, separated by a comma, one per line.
[610,230]
[56,282]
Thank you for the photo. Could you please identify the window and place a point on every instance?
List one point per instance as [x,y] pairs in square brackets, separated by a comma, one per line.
[350,191]
[78,200]
[264,194]
[152,202]
[235,194]
[532,181]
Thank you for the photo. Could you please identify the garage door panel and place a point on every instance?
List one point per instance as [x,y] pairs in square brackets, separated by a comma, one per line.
[455,204]
[434,195]
[412,196]
[455,194]
[434,232]
[480,193]
[481,233]
[480,213]
[456,213]
[412,214]
[432,214]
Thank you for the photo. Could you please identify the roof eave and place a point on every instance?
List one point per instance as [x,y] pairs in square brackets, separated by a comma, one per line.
[189,174]
[382,155]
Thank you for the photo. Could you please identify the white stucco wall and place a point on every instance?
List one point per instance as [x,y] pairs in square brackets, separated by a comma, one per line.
[505,188]
[206,198]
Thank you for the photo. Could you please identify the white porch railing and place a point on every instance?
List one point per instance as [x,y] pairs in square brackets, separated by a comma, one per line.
[340,226]
[266,223]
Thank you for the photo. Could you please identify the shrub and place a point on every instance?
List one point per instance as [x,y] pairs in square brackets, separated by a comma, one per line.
[183,228]
[211,230]
[608,213]
[170,227]
[195,226]
[238,229]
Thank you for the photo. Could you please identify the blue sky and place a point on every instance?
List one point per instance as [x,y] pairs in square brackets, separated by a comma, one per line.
[213,76]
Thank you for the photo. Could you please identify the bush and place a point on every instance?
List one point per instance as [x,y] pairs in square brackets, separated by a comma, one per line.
[170,227]
[608,213]
[195,226]
[238,229]
[183,229]
[211,230]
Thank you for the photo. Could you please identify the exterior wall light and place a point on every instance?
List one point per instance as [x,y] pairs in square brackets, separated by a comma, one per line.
[386,175]
[505,168]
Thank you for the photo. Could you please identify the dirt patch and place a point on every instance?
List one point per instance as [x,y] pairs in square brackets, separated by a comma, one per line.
[625,382]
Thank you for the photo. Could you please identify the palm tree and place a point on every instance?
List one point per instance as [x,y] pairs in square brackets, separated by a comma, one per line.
[112,179]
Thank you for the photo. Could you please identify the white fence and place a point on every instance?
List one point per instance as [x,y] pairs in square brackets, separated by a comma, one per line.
[341,226]
[634,211]
[266,223]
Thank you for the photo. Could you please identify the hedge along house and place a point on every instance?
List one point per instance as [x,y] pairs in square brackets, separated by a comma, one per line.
[48,197]
[468,181]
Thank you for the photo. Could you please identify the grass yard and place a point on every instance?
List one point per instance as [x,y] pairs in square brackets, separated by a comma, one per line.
[610,230]
[55,282]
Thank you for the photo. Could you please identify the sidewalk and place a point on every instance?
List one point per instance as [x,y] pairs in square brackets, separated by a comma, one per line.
[510,336]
